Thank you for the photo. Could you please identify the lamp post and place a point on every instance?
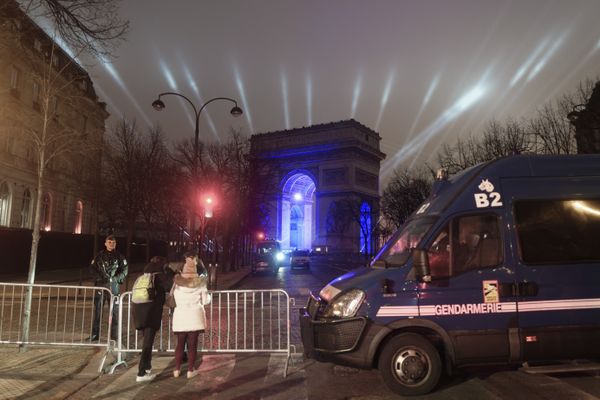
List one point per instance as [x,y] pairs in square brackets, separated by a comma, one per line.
[159,105]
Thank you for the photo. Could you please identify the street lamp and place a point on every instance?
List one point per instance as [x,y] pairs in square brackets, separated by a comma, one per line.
[159,105]
[208,205]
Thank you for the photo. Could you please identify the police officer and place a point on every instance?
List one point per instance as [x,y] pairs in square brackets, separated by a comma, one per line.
[109,270]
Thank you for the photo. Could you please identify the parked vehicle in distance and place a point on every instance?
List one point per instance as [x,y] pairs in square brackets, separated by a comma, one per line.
[267,257]
[499,265]
[300,259]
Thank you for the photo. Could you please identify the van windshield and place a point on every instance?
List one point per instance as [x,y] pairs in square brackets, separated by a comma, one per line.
[398,249]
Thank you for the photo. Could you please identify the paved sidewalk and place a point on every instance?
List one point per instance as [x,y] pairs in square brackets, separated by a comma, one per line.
[60,372]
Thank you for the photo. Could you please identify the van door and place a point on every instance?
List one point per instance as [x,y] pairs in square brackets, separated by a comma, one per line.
[557,251]
[467,295]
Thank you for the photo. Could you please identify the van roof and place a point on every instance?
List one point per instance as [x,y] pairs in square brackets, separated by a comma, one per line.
[519,166]
[545,165]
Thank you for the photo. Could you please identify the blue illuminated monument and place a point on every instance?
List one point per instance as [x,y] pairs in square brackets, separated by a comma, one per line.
[320,186]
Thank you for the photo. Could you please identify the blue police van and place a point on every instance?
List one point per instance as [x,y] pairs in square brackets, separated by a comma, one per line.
[501,264]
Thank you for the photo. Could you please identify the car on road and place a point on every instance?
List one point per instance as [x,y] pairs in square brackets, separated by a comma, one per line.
[267,257]
[300,259]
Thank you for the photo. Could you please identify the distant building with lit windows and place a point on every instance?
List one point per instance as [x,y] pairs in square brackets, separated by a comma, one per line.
[65,205]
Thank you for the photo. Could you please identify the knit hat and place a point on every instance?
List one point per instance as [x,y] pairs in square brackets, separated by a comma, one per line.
[189,271]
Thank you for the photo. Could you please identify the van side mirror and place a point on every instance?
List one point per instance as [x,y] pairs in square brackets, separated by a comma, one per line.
[421,265]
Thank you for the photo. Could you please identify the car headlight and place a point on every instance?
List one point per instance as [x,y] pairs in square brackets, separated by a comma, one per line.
[345,305]
[279,256]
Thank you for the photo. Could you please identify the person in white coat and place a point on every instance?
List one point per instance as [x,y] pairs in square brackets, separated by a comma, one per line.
[189,318]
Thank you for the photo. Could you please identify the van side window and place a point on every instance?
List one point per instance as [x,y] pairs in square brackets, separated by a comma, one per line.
[558,231]
[476,243]
[439,254]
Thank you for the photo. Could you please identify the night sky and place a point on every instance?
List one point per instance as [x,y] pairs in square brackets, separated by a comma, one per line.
[421,73]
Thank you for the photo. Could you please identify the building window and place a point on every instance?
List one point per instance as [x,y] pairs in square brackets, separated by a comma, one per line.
[9,143]
[14,81]
[36,95]
[37,44]
[30,153]
[26,209]
[78,217]
[16,25]
[4,204]
[14,77]
[54,107]
[46,216]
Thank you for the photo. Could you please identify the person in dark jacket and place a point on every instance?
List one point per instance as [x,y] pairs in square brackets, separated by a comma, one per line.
[148,316]
[109,269]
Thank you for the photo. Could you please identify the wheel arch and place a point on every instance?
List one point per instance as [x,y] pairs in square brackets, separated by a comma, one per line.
[428,329]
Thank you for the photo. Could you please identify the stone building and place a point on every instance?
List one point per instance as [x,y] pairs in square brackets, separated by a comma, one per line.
[323,186]
[586,120]
[44,91]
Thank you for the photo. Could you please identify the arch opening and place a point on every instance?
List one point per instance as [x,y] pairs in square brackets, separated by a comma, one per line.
[297,212]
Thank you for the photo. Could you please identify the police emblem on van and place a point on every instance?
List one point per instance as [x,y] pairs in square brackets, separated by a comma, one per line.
[488,198]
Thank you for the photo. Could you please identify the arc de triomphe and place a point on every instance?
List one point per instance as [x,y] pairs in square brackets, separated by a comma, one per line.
[323,185]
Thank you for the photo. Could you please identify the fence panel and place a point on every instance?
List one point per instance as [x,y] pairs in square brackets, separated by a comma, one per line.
[59,314]
[237,321]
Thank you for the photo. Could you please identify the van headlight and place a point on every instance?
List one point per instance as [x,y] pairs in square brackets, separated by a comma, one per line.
[345,305]
[279,256]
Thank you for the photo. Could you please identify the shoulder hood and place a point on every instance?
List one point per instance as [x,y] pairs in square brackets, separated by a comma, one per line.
[197,281]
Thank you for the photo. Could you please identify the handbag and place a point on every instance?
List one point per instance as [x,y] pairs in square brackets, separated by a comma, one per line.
[170,300]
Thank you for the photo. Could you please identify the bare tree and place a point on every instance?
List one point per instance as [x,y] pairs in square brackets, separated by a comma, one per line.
[160,179]
[497,141]
[123,171]
[232,167]
[550,129]
[85,26]
[362,212]
[404,193]
[90,26]
[338,220]
[54,139]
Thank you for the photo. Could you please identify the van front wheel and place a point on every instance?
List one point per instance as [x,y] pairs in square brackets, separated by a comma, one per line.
[410,365]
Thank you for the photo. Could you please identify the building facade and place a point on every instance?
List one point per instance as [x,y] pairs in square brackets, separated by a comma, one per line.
[47,104]
[323,186]
[586,120]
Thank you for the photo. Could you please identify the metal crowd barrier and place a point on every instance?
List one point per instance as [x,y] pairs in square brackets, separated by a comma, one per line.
[237,321]
[59,315]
